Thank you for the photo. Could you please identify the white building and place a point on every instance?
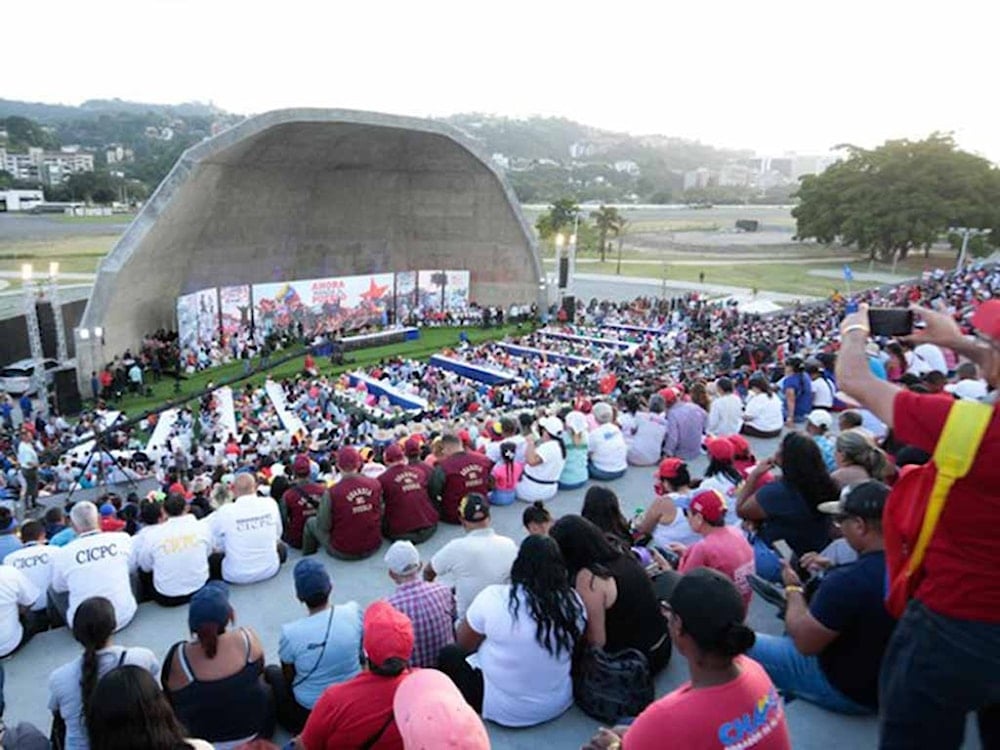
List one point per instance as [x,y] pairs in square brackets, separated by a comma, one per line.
[49,167]
[20,200]
[628,167]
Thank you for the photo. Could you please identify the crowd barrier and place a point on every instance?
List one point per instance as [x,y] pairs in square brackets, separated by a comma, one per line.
[395,396]
[591,340]
[533,353]
[289,419]
[635,329]
[479,373]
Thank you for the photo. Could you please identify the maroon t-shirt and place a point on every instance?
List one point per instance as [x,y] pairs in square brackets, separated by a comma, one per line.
[299,509]
[463,473]
[356,508]
[407,504]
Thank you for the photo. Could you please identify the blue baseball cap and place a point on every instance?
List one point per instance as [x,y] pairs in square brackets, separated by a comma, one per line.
[210,604]
[311,579]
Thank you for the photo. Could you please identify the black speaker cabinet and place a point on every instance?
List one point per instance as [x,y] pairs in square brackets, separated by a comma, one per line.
[67,394]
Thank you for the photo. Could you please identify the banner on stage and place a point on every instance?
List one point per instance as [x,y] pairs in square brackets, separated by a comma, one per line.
[198,319]
[406,294]
[443,290]
[234,305]
[323,305]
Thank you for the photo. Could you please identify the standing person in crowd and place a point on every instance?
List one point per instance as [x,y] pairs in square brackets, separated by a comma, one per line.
[95,563]
[349,523]
[574,439]
[544,462]
[316,651]
[818,424]
[858,460]
[506,474]
[664,520]
[299,502]
[602,508]
[762,416]
[729,701]
[835,643]
[429,605]
[174,554]
[215,682]
[646,434]
[458,474]
[606,446]
[17,594]
[409,513]
[246,535]
[359,713]
[71,686]
[622,611]
[34,560]
[725,415]
[788,508]
[128,709]
[27,460]
[944,656]
[685,427]
[536,519]
[477,560]
[523,634]
[796,387]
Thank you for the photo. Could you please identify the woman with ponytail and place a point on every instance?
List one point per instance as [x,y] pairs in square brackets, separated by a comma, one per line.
[71,685]
[729,699]
[858,460]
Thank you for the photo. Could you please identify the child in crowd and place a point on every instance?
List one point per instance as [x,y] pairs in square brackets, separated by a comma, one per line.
[506,474]
[537,519]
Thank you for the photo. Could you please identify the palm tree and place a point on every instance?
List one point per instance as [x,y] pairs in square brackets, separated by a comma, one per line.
[608,220]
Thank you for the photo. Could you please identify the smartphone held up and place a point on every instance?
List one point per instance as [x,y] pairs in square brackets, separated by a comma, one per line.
[890,321]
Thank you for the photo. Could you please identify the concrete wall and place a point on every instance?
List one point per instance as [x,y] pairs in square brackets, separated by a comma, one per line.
[309,193]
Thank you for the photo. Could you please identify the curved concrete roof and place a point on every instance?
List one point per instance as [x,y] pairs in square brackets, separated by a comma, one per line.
[308,193]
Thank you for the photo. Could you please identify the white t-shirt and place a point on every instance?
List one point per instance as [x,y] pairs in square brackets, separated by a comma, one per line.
[492,449]
[607,448]
[725,416]
[547,473]
[15,591]
[644,438]
[480,558]
[247,531]
[764,412]
[524,684]
[728,489]
[96,564]
[822,393]
[34,560]
[176,551]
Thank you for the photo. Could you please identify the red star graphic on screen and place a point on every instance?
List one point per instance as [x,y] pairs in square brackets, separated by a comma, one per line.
[374,292]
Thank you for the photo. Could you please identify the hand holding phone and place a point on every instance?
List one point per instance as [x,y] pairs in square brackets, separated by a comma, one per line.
[890,321]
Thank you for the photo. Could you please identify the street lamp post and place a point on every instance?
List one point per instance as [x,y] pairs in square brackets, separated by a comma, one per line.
[35,338]
[52,292]
[562,272]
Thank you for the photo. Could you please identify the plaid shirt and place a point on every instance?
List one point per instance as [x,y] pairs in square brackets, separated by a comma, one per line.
[431,609]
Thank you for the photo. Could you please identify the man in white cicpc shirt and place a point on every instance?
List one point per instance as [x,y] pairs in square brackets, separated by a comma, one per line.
[16,593]
[176,553]
[96,563]
[34,560]
[246,535]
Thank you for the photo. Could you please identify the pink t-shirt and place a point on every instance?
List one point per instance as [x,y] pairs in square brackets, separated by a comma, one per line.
[744,713]
[505,477]
[726,550]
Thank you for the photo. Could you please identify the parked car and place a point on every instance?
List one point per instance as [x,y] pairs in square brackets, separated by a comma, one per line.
[16,378]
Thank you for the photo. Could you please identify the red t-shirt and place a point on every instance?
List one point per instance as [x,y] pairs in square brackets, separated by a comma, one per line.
[744,713]
[407,504]
[464,472]
[356,508]
[727,551]
[962,564]
[350,714]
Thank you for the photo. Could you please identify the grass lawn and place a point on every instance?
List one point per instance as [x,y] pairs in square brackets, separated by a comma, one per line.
[431,341]
[79,254]
[113,219]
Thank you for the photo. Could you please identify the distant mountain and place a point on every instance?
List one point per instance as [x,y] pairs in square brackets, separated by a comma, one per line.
[48,114]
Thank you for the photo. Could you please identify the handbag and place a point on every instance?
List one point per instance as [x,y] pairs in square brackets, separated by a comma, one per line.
[612,686]
[914,506]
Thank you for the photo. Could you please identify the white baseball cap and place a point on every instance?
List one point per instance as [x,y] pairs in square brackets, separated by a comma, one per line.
[552,425]
[820,418]
[403,558]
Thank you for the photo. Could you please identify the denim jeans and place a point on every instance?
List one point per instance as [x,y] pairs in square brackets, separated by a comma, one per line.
[603,476]
[936,670]
[501,497]
[766,562]
[800,675]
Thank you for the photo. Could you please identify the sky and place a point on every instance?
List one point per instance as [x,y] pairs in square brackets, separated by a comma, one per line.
[770,75]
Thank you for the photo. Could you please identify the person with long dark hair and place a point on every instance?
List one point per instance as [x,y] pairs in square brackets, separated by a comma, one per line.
[722,474]
[544,461]
[762,415]
[663,522]
[601,507]
[622,609]
[129,710]
[71,686]
[789,507]
[524,634]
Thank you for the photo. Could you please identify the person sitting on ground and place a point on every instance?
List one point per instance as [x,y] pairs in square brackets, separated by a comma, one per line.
[246,535]
[818,424]
[685,427]
[109,518]
[95,563]
[316,651]
[524,635]
[705,615]
[71,686]
[834,647]
[574,439]
[22,735]
[621,604]
[544,461]
[430,713]
[789,507]
[663,521]
[359,713]
[968,384]
[722,474]
[349,523]
[743,458]
[34,560]
[409,514]
[299,502]
[477,560]
[602,508]
[128,709]
[725,415]
[17,595]
[8,536]
[646,434]
[796,388]
[821,385]
[215,682]
[536,518]
[509,433]
[458,473]
[55,523]
[175,554]
[858,460]
[506,473]
[762,415]
[429,605]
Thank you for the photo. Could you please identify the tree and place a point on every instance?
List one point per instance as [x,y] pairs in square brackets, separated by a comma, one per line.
[608,221]
[562,214]
[900,196]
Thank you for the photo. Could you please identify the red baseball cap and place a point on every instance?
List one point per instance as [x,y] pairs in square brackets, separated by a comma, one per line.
[669,395]
[348,458]
[986,319]
[412,446]
[302,467]
[740,445]
[710,504]
[720,449]
[388,633]
[669,468]
[393,453]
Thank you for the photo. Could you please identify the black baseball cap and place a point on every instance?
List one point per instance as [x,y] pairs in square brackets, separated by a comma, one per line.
[708,604]
[864,500]
[474,507]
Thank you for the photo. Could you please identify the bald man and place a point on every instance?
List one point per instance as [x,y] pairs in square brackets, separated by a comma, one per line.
[246,534]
